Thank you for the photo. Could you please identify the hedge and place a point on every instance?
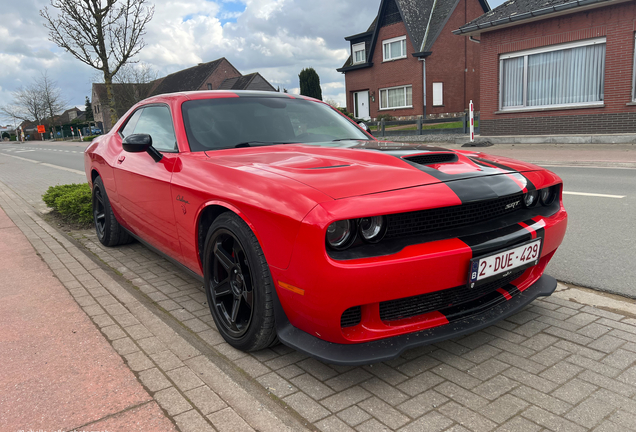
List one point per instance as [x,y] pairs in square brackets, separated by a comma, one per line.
[73,201]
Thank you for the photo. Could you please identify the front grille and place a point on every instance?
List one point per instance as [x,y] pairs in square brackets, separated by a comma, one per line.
[412,306]
[427,221]
[351,317]
[433,158]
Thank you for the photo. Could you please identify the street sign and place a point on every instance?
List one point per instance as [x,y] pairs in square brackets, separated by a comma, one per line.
[41,129]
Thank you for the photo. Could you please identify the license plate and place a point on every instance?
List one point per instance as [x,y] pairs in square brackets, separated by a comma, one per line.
[503,262]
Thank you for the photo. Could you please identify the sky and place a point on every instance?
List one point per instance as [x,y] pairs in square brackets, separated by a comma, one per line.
[277,38]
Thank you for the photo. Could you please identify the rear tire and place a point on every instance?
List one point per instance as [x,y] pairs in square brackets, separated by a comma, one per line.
[109,231]
[238,285]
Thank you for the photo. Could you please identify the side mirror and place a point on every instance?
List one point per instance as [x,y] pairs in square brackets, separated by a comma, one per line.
[364,126]
[138,143]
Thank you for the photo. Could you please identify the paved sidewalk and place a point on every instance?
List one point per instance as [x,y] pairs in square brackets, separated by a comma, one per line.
[58,371]
[559,365]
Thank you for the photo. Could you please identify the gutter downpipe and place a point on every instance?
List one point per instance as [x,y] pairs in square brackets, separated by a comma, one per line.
[423,59]
[472,39]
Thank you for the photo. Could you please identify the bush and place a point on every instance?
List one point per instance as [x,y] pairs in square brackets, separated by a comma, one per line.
[72,201]
[89,138]
[386,117]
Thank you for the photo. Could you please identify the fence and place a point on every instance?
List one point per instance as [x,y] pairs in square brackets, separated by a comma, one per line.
[419,126]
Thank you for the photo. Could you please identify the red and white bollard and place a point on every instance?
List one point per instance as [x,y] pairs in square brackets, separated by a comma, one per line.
[472,122]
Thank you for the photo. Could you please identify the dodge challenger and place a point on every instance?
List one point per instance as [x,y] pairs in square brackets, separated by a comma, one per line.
[305,229]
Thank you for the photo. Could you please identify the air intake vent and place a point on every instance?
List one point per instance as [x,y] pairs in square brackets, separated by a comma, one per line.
[432,158]
[351,317]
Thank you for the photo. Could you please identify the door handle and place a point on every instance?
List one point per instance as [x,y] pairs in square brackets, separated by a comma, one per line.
[121,159]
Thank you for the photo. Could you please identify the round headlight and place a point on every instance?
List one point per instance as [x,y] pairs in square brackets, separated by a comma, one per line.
[531,198]
[547,196]
[372,228]
[340,234]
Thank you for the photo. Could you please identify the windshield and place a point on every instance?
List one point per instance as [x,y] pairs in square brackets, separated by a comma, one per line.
[213,124]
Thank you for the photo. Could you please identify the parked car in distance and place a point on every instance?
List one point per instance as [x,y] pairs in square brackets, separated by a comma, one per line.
[305,229]
[96,131]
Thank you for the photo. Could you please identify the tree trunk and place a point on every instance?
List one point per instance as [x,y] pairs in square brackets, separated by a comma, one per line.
[108,79]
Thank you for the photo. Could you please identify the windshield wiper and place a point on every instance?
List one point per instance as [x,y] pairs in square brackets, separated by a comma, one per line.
[352,139]
[259,143]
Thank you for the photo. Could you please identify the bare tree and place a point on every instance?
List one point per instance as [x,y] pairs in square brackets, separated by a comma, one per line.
[52,98]
[27,104]
[104,34]
[137,82]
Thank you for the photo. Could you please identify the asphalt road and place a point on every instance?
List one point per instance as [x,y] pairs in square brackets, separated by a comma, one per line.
[66,154]
[599,250]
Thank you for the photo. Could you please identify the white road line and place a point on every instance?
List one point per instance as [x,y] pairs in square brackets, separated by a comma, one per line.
[593,195]
[47,165]
[24,151]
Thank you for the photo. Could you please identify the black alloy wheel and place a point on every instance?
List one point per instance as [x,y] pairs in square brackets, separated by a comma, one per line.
[231,286]
[99,212]
[238,284]
[109,231]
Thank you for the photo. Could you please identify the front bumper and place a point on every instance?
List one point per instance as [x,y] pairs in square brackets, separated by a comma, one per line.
[389,348]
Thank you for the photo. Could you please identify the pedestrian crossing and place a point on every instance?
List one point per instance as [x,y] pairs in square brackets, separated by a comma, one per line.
[23,149]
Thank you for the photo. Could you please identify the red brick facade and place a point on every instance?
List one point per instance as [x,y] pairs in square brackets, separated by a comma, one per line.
[454,62]
[616,23]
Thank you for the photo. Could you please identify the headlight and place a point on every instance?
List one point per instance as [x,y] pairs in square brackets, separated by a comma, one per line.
[531,198]
[341,234]
[548,195]
[372,228]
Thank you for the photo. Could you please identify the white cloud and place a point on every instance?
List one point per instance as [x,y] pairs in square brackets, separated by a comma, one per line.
[277,38]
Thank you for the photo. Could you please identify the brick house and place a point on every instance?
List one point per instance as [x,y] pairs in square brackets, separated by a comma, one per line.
[215,75]
[408,63]
[557,67]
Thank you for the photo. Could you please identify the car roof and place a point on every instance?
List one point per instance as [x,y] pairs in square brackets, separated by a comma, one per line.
[217,94]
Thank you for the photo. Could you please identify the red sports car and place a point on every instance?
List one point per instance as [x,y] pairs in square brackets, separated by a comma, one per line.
[306,229]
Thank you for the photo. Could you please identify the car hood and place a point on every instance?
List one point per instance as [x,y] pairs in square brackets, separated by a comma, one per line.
[353,168]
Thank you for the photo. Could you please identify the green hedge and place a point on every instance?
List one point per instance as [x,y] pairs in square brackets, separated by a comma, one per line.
[72,201]
[90,137]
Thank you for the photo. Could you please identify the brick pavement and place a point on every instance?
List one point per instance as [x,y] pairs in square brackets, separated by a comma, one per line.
[558,365]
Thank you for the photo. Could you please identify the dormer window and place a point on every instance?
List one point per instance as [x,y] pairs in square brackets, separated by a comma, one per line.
[394,49]
[359,53]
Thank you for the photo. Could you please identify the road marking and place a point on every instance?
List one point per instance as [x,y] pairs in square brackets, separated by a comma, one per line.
[584,166]
[47,165]
[593,194]
[24,151]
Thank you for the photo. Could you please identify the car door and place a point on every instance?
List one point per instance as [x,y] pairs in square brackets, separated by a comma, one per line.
[144,185]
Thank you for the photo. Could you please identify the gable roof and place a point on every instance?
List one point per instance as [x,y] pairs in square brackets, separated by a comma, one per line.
[513,11]
[242,82]
[422,26]
[187,79]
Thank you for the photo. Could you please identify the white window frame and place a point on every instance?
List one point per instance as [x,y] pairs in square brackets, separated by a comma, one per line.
[390,41]
[357,48]
[441,95]
[398,107]
[525,54]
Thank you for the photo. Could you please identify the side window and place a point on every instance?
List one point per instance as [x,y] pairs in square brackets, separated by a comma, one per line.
[131,123]
[156,121]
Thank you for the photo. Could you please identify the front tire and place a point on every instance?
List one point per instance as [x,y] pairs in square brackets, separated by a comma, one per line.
[109,231]
[238,285]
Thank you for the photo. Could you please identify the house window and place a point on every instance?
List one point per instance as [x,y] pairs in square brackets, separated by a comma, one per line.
[565,75]
[394,48]
[396,97]
[359,53]
[209,86]
[438,94]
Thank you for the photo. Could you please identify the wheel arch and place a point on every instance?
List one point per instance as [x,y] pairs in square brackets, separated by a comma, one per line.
[206,217]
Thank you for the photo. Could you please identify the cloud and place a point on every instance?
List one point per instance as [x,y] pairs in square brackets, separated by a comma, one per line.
[277,38]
